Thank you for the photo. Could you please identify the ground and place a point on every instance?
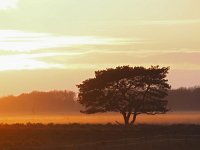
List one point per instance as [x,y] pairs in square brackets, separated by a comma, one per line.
[94,136]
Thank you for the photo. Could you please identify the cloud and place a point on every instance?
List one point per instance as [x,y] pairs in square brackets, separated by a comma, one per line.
[21,50]
[14,40]
[26,62]
[8,4]
[100,60]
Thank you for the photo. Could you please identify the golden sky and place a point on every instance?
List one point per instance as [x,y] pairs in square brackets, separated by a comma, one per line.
[55,44]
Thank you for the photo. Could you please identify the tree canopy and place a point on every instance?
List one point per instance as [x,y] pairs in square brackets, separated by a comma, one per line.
[128,90]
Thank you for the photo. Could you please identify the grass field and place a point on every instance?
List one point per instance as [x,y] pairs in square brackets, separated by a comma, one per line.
[169,118]
[91,136]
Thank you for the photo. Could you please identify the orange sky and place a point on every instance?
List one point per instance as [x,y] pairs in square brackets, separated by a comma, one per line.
[48,44]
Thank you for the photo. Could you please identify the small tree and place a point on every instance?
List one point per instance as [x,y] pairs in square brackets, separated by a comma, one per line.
[130,91]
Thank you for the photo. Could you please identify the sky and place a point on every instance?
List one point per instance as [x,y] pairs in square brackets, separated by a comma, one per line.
[56,44]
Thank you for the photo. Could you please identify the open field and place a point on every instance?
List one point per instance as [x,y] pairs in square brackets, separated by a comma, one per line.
[169,118]
[94,136]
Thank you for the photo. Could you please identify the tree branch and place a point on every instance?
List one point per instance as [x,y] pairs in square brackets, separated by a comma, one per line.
[118,123]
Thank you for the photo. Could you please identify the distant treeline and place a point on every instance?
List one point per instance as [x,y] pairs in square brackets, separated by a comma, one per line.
[40,103]
[184,99]
[64,102]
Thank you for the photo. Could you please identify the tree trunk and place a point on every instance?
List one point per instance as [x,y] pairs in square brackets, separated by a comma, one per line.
[126,118]
[134,118]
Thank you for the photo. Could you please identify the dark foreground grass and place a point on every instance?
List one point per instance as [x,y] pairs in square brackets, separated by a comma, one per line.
[88,136]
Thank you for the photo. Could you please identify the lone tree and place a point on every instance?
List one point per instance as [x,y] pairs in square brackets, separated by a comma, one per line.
[128,90]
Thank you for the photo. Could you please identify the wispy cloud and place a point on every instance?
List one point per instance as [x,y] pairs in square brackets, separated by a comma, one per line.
[98,60]
[20,50]
[8,4]
[13,40]
[27,62]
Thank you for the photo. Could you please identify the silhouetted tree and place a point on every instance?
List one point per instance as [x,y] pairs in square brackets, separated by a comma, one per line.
[130,91]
